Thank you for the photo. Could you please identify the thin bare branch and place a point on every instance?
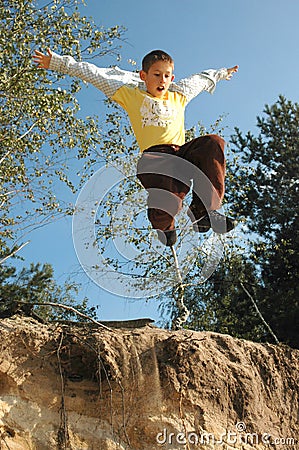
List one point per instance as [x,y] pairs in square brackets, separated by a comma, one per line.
[18,139]
[183,312]
[259,313]
[70,308]
[14,252]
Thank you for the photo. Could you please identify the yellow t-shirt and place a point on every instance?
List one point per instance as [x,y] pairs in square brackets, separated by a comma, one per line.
[154,121]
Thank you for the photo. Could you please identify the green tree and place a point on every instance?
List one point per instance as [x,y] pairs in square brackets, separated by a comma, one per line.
[220,304]
[267,196]
[40,129]
[26,291]
[42,133]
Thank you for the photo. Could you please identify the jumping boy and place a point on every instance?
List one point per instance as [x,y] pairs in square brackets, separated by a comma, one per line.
[156,106]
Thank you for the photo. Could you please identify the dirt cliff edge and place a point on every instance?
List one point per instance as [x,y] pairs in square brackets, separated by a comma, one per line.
[85,387]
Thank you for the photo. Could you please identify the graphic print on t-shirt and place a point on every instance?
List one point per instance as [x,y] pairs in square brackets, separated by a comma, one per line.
[157,113]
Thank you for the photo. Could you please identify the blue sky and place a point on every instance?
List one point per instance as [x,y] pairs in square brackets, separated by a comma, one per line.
[261,36]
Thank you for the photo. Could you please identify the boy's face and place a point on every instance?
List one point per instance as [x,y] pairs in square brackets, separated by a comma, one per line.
[158,78]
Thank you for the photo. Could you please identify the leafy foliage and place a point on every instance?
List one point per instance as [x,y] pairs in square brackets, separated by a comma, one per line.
[27,290]
[269,201]
[220,304]
[41,131]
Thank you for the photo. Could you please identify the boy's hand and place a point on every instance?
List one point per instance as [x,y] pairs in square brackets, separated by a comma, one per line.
[231,71]
[42,61]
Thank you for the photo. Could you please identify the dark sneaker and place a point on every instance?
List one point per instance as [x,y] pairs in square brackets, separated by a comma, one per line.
[219,223]
[167,238]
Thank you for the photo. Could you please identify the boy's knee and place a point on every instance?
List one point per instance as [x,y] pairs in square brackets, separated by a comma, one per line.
[218,140]
[209,142]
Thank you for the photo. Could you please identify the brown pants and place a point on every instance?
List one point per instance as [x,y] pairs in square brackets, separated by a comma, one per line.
[166,172]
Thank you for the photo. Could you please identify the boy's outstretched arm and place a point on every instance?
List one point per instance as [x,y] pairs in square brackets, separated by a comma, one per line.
[42,61]
[191,86]
[107,80]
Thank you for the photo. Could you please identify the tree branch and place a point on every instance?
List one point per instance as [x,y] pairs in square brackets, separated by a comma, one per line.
[183,312]
[259,313]
[69,308]
[18,139]
[14,252]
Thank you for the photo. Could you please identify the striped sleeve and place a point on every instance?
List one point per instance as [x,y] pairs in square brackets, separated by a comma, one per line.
[205,81]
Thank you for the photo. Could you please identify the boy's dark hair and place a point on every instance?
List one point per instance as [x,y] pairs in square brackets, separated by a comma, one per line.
[152,57]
